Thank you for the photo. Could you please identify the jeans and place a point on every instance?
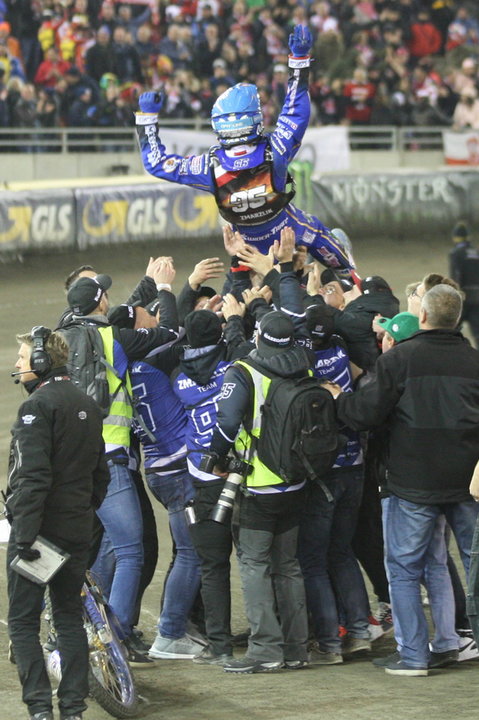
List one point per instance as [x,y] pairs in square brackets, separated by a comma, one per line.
[174,491]
[120,514]
[472,601]
[416,551]
[25,608]
[331,572]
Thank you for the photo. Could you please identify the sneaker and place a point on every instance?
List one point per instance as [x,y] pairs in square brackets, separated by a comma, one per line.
[208,657]
[382,662]
[248,666]
[323,657]
[137,659]
[45,715]
[443,659]
[71,717]
[399,667]
[381,623]
[352,645]
[295,664]
[183,648]
[467,646]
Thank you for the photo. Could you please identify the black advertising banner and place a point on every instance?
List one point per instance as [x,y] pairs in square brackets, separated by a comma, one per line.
[398,205]
[144,212]
[36,219]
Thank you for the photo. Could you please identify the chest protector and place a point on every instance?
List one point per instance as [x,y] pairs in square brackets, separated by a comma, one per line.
[247,196]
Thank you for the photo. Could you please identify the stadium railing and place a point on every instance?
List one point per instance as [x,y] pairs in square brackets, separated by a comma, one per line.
[71,140]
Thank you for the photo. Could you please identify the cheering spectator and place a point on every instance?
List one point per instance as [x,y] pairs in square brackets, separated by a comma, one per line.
[359,94]
[51,69]
[425,37]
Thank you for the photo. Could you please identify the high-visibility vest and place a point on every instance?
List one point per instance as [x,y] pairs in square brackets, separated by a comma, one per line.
[260,476]
[116,427]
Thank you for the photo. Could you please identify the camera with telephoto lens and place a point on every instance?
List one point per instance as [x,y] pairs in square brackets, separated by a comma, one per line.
[237,470]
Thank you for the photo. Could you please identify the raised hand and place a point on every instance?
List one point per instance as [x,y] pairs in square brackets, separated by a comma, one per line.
[205,270]
[151,102]
[252,258]
[300,41]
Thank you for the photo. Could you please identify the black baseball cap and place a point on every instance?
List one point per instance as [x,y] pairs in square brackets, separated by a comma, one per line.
[86,293]
[374,283]
[275,334]
[122,316]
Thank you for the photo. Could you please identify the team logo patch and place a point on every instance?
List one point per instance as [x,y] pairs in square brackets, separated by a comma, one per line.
[28,419]
[227,390]
[170,165]
[82,415]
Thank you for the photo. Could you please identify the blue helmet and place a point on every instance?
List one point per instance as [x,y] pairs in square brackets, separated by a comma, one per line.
[236,116]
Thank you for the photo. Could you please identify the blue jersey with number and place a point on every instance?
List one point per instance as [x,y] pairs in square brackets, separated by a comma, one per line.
[163,419]
[201,405]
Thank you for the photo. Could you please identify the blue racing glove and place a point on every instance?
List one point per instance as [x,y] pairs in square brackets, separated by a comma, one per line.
[300,41]
[151,102]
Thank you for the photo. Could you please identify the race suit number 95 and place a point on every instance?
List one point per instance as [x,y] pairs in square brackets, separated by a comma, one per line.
[244,199]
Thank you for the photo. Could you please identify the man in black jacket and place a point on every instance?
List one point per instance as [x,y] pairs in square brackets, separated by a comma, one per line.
[464,269]
[58,476]
[427,391]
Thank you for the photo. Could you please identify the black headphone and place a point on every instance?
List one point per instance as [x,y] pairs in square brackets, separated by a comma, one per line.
[40,360]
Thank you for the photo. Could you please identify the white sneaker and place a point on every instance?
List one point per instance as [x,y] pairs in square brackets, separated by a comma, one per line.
[467,646]
[183,648]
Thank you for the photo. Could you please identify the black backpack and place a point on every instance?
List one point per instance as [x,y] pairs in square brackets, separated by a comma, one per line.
[86,362]
[299,436]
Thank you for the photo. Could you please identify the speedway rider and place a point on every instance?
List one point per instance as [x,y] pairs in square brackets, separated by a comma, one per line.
[248,171]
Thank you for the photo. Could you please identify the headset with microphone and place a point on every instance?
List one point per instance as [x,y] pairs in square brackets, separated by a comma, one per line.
[40,360]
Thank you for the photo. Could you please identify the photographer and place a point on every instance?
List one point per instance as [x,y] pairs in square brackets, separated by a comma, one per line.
[265,526]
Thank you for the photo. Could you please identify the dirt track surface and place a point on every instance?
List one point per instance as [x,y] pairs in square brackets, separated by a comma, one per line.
[31,294]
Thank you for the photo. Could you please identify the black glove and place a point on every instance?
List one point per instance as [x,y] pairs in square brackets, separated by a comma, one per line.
[26,552]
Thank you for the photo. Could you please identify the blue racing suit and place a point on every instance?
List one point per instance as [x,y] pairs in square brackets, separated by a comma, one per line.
[251,183]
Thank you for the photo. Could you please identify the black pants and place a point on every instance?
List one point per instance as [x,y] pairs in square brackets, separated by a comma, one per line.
[213,543]
[368,543]
[24,612]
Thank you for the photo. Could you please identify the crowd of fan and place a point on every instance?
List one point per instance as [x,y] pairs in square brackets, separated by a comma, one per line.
[83,63]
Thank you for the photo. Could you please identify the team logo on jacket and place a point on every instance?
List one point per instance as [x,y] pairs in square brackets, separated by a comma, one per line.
[170,165]
[28,419]
[82,415]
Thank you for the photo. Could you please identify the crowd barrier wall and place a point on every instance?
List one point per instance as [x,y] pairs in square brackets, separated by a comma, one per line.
[132,210]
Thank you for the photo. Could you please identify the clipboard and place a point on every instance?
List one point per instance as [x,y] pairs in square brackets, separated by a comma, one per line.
[41,570]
